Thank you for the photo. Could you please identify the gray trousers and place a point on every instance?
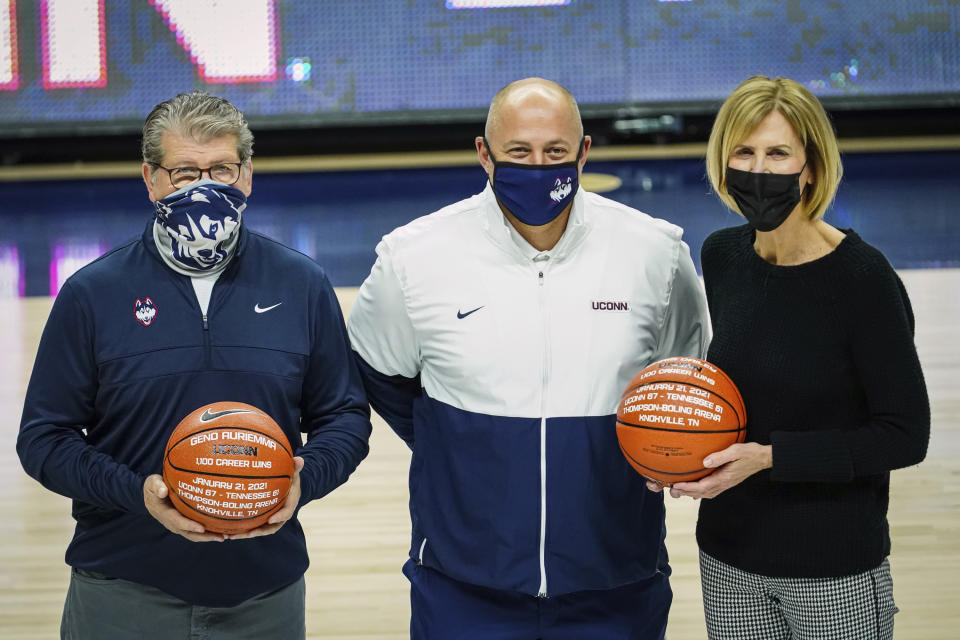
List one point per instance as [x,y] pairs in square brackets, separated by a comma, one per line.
[101,608]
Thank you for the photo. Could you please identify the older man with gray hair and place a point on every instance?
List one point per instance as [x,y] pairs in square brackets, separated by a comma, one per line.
[196,310]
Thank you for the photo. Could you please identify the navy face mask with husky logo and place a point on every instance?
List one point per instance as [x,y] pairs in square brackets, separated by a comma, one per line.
[200,225]
[535,193]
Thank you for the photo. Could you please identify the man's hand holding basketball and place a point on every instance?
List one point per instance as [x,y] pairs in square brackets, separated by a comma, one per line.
[278,519]
[733,465]
[156,499]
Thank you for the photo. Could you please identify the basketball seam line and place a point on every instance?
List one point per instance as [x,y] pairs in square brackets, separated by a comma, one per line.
[652,428]
[225,475]
[244,428]
[666,473]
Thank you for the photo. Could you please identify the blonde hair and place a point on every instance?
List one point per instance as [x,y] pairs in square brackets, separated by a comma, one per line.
[753,101]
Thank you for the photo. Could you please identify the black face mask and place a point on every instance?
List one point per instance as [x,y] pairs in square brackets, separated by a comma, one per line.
[765,199]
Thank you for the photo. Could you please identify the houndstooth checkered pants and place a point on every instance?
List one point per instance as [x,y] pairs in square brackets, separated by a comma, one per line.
[745,606]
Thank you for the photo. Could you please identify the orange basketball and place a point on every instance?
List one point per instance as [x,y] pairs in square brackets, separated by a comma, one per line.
[228,466]
[673,414]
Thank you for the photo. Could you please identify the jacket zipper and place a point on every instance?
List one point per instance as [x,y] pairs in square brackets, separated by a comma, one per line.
[543,440]
[206,342]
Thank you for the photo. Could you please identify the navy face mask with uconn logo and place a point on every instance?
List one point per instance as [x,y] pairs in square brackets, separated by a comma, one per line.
[200,225]
[535,193]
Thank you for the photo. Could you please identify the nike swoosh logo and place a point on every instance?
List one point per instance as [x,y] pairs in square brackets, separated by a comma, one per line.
[260,309]
[461,316]
[213,415]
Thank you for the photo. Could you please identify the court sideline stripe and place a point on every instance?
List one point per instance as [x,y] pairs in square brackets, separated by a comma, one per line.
[435,159]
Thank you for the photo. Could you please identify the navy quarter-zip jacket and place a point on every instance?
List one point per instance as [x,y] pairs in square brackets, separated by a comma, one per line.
[107,389]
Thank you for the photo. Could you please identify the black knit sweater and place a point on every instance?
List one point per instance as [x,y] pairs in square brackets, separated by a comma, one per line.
[823,355]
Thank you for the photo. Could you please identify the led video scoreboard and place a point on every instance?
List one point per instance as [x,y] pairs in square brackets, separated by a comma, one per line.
[103,64]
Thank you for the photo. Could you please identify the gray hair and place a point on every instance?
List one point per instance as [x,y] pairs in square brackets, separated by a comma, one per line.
[198,116]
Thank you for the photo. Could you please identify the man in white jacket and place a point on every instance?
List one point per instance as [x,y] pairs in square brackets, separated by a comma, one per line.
[495,337]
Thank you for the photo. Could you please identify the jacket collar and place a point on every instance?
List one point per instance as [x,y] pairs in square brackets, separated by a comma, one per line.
[505,236]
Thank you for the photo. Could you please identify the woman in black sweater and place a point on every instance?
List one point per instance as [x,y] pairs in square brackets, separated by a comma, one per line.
[816,330]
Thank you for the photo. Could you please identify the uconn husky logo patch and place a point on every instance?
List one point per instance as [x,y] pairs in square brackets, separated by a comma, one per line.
[561,190]
[144,311]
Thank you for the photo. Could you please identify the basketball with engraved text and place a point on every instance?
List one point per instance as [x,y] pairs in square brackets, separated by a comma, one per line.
[228,466]
[673,414]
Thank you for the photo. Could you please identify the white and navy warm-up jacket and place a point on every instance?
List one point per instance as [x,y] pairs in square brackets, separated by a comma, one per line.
[502,367]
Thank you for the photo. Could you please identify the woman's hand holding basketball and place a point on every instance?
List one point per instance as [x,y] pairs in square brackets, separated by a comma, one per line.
[156,499]
[732,466]
[278,519]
